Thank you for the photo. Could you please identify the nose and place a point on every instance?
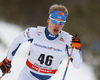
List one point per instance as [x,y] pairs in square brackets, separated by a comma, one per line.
[57,25]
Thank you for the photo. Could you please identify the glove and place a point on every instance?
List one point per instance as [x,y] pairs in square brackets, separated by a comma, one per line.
[5,65]
[76,42]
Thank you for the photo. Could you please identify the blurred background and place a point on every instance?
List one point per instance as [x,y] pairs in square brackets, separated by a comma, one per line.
[83,19]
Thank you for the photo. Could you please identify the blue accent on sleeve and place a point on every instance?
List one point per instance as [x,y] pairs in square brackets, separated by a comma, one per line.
[80,53]
[28,29]
[40,77]
[67,50]
[27,34]
[13,53]
[71,59]
[31,40]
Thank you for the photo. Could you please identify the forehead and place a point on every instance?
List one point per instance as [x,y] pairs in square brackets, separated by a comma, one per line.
[58,15]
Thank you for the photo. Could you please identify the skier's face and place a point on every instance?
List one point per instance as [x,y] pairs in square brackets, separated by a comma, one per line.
[54,27]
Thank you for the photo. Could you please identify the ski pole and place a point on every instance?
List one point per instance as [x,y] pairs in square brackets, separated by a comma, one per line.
[69,59]
[68,62]
[2,75]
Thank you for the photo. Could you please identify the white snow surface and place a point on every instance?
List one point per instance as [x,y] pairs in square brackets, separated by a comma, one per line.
[9,31]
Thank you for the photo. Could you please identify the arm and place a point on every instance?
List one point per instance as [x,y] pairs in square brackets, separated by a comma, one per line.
[76,58]
[25,36]
[76,55]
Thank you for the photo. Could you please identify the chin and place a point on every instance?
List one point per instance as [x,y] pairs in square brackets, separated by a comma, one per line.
[55,33]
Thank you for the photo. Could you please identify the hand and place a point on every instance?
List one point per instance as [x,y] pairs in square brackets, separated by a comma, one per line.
[76,42]
[5,65]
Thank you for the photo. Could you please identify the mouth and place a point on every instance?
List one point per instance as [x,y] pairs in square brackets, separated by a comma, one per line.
[56,30]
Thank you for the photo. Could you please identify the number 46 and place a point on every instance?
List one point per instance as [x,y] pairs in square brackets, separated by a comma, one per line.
[48,60]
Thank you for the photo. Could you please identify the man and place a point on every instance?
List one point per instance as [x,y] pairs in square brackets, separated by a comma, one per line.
[49,46]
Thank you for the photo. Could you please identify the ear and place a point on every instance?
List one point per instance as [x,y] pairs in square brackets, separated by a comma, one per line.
[47,20]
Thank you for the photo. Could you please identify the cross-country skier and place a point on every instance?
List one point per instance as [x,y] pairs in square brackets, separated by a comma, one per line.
[49,46]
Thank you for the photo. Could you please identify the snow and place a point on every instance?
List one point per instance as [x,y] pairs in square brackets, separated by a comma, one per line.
[9,31]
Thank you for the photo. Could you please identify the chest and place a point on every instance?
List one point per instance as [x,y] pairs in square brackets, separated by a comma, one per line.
[42,44]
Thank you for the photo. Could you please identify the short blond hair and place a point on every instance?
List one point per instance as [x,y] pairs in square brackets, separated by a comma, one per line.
[57,7]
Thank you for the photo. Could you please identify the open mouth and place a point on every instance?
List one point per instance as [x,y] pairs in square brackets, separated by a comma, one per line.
[56,30]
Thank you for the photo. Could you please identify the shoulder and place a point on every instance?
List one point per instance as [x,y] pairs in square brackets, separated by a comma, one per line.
[30,32]
[31,29]
[34,29]
[66,34]
[67,37]
[41,27]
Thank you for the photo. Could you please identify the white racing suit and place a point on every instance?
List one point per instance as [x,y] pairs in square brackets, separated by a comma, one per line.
[46,53]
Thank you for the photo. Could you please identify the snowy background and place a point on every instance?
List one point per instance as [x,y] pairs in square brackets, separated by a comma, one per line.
[9,31]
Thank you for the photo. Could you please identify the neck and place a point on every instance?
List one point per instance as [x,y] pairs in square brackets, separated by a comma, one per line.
[49,31]
[49,35]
